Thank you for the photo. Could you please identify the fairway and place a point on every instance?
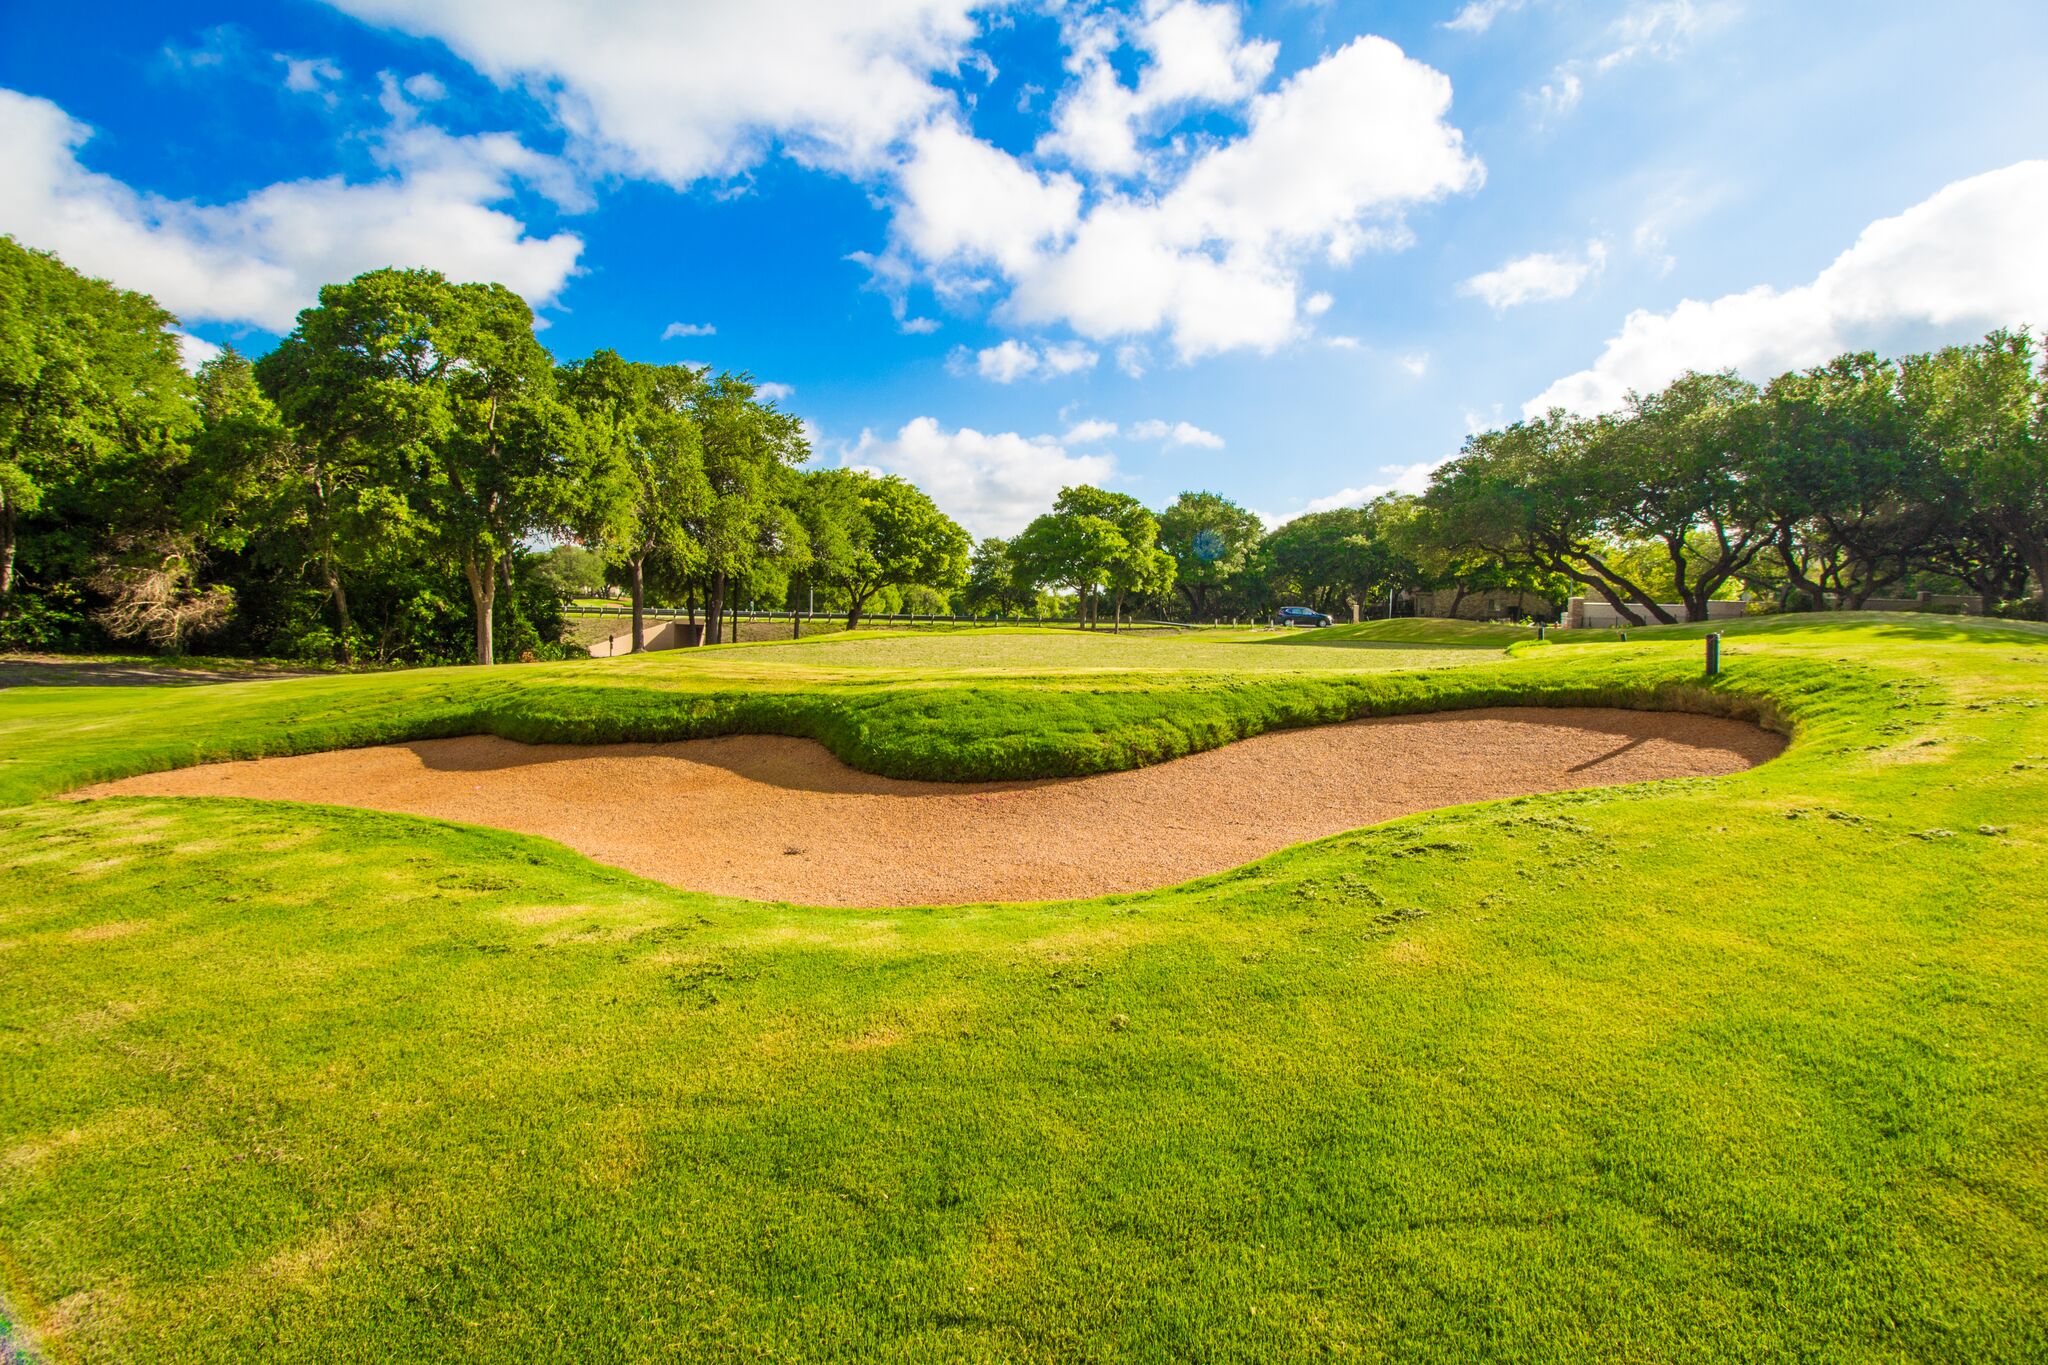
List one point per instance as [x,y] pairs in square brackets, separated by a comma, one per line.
[1731,1067]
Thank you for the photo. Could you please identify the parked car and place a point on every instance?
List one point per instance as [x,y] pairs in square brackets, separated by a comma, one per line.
[1300,616]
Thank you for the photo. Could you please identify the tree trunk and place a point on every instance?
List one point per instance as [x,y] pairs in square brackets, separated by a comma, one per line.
[483,592]
[2036,555]
[344,649]
[638,565]
[6,548]
[1116,619]
[714,609]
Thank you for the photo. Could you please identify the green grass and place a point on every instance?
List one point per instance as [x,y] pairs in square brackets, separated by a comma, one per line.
[1736,1069]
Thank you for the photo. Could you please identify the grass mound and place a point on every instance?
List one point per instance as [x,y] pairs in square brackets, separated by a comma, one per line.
[1738,1068]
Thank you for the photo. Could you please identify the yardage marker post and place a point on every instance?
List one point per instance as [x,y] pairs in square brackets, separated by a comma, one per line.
[1714,655]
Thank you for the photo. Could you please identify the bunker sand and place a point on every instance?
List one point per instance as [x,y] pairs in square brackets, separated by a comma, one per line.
[773,818]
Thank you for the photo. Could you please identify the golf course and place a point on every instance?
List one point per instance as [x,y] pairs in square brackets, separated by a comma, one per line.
[1747,1065]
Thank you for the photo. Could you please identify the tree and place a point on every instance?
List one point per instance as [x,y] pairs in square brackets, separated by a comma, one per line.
[1679,468]
[1211,540]
[646,466]
[1435,564]
[94,408]
[897,537]
[449,383]
[1533,496]
[1983,410]
[992,581]
[1340,557]
[1845,486]
[746,522]
[1094,541]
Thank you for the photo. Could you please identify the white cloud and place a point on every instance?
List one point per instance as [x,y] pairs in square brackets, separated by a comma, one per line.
[1317,305]
[425,87]
[919,326]
[774,393]
[1195,55]
[992,484]
[1661,29]
[1325,167]
[679,92]
[1342,343]
[1561,95]
[1088,432]
[1478,15]
[1965,259]
[306,75]
[1540,278]
[688,329]
[1132,359]
[1176,434]
[262,258]
[1012,360]
[967,201]
[1414,365]
[1412,479]
[194,351]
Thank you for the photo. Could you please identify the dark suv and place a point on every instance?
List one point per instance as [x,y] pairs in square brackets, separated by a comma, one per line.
[1300,616]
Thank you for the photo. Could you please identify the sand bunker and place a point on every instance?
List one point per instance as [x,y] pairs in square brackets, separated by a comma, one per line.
[782,819]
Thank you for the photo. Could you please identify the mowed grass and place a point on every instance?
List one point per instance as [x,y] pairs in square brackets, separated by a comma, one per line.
[1736,1069]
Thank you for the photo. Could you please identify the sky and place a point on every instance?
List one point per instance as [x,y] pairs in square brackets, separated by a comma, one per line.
[1294,253]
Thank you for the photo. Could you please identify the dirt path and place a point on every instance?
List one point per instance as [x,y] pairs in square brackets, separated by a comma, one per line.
[782,819]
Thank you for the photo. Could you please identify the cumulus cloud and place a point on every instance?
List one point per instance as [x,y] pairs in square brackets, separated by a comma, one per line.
[1011,360]
[1325,166]
[194,351]
[1176,434]
[677,93]
[1539,278]
[991,483]
[1088,431]
[1194,54]
[262,258]
[1966,259]
[774,393]
[687,329]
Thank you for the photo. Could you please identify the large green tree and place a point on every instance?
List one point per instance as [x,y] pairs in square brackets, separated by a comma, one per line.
[1844,487]
[95,413]
[1212,540]
[1093,542]
[746,527]
[447,383]
[1983,410]
[645,478]
[1535,496]
[897,537]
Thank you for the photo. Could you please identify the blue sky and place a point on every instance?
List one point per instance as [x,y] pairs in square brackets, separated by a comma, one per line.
[1290,252]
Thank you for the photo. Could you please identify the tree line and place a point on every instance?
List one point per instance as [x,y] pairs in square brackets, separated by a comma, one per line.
[1824,488]
[387,482]
[411,476]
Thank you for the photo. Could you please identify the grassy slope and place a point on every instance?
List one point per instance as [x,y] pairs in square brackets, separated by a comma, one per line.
[1744,1068]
